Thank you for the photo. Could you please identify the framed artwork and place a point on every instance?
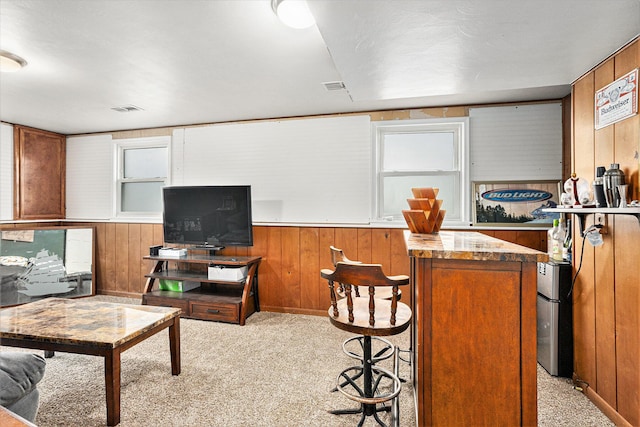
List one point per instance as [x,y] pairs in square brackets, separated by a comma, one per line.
[515,203]
[617,101]
[46,262]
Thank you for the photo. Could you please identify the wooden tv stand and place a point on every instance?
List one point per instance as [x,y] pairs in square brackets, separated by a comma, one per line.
[214,300]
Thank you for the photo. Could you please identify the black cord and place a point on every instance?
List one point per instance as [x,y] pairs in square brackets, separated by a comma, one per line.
[573,282]
[584,237]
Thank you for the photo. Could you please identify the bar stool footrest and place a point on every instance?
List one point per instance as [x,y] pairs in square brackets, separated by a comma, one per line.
[382,379]
[385,351]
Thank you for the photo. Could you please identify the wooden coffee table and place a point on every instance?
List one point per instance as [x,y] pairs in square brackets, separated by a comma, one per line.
[90,327]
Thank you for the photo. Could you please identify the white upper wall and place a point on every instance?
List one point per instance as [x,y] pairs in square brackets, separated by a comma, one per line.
[315,170]
[6,172]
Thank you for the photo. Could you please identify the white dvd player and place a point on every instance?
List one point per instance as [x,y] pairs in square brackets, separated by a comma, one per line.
[172,252]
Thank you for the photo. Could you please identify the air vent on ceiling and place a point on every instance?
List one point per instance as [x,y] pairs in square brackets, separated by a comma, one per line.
[126,109]
[334,85]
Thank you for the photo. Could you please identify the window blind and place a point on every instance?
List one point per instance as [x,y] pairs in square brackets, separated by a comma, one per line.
[514,143]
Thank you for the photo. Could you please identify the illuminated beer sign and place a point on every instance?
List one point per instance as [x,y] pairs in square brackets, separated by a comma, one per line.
[516,195]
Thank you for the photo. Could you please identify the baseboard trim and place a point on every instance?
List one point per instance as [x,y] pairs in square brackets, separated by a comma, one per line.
[602,404]
[290,310]
[120,294]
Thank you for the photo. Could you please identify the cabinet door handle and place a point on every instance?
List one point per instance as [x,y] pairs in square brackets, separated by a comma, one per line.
[212,311]
[165,305]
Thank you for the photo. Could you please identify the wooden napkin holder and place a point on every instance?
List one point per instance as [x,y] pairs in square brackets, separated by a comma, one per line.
[424,214]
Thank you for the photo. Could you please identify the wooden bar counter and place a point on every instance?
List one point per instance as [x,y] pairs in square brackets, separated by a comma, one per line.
[474,329]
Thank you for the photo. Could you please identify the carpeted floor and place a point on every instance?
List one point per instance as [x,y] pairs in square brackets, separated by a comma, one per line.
[277,370]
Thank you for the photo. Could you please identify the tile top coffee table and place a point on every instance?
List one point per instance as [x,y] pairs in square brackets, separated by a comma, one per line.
[9,419]
[90,327]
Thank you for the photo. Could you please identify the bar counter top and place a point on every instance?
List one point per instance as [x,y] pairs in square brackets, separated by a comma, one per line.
[465,245]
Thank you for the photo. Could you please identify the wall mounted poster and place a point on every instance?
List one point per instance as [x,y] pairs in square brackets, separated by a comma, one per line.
[515,204]
[617,101]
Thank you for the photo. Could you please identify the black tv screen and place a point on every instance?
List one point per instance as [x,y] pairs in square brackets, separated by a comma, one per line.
[208,215]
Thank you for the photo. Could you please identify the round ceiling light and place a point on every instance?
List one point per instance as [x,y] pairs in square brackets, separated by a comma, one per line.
[10,62]
[293,13]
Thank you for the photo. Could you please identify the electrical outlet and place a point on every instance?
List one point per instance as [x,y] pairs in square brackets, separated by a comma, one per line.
[601,219]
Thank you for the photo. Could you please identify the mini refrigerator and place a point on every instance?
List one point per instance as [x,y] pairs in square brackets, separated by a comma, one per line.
[555,318]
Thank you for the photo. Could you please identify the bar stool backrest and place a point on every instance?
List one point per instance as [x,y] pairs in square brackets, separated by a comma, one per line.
[361,311]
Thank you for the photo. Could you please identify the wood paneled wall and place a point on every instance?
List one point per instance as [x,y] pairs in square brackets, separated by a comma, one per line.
[606,295]
[289,275]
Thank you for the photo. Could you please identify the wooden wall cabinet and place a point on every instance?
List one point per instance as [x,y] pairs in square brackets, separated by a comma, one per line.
[40,172]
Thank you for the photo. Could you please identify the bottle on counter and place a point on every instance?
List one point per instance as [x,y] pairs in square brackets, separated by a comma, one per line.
[550,234]
[566,251]
[598,187]
[557,237]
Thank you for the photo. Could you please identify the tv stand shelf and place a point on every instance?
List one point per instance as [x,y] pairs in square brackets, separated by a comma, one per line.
[225,301]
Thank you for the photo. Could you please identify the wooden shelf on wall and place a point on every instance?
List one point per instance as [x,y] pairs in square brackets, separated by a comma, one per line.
[583,212]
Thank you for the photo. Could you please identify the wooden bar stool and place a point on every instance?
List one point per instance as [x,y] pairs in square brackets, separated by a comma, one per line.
[382,348]
[368,316]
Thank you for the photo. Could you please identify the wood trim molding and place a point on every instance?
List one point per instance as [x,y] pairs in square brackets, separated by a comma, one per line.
[606,409]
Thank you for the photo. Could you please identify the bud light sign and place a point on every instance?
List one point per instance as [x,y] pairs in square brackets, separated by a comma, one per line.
[516,203]
[516,195]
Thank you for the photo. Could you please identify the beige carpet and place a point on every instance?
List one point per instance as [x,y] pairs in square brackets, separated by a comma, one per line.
[277,370]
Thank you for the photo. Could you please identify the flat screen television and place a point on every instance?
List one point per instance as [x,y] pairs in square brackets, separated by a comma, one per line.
[208,216]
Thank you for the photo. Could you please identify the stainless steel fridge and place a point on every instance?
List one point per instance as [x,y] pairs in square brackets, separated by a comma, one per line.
[555,318]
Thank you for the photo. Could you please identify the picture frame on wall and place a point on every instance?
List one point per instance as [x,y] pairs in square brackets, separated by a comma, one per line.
[46,262]
[617,101]
[515,203]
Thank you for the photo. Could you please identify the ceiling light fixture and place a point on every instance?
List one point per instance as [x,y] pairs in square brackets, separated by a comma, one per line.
[10,62]
[293,13]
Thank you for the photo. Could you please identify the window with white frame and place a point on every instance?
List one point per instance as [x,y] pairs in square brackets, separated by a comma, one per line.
[421,153]
[142,170]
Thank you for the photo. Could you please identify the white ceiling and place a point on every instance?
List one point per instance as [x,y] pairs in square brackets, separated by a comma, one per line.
[194,61]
